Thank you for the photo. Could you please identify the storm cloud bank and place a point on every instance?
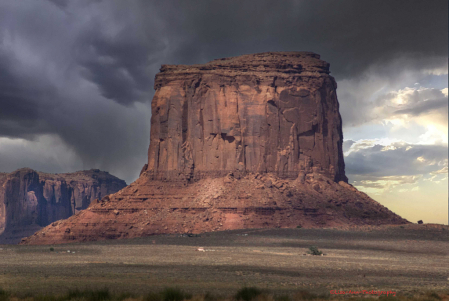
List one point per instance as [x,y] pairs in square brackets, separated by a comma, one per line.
[76,77]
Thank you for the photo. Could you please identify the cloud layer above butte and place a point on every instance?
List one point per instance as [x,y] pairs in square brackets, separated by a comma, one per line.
[76,81]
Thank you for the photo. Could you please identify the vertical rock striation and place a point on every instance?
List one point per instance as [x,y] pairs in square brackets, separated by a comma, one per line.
[30,200]
[269,113]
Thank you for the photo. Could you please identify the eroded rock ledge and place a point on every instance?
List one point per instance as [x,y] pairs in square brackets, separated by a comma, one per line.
[148,207]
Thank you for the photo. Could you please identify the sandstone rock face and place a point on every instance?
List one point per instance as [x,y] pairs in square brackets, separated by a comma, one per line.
[269,113]
[30,200]
[247,142]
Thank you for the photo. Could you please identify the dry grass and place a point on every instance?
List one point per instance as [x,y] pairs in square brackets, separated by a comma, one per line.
[274,260]
[244,294]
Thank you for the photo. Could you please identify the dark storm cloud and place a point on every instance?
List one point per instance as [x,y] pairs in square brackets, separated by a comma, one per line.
[60,3]
[399,159]
[351,35]
[347,145]
[424,107]
[44,92]
[84,70]
[22,98]
[357,108]
[414,102]
[120,66]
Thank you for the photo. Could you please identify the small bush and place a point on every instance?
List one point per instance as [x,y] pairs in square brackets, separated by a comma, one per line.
[89,295]
[52,249]
[304,295]
[314,251]
[153,297]
[124,296]
[434,296]
[298,227]
[193,235]
[174,294]
[4,295]
[210,297]
[45,298]
[283,298]
[248,293]
[388,298]
[100,295]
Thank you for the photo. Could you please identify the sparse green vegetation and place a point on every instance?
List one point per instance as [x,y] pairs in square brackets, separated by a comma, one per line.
[435,296]
[269,259]
[176,294]
[4,295]
[283,298]
[52,249]
[168,294]
[153,297]
[304,295]
[314,251]
[210,297]
[89,295]
[298,227]
[248,293]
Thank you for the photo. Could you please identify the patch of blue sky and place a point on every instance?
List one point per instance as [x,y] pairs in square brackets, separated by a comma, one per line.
[433,81]
[367,131]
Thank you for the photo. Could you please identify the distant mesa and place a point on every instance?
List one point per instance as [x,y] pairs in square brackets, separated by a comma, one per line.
[30,200]
[253,141]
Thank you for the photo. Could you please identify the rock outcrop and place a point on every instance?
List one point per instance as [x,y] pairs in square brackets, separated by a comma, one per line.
[268,113]
[148,207]
[30,200]
[246,142]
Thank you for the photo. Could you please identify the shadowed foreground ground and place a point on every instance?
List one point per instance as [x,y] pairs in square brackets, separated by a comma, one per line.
[405,259]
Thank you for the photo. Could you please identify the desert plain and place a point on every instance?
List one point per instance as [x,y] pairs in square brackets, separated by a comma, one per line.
[406,259]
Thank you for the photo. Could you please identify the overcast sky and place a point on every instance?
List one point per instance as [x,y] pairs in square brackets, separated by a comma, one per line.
[76,81]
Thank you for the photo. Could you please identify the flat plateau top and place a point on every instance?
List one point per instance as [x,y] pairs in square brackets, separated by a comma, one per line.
[77,175]
[267,62]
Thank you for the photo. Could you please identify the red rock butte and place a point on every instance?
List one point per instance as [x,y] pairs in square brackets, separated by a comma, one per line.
[252,141]
[30,200]
[269,113]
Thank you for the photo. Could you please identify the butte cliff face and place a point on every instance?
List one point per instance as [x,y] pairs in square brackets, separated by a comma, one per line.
[30,200]
[267,113]
[247,142]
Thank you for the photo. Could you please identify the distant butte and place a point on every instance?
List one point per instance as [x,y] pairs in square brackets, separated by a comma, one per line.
[30,200]
[253,141]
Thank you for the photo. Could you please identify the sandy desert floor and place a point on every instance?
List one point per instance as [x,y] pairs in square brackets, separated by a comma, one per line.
[402,259]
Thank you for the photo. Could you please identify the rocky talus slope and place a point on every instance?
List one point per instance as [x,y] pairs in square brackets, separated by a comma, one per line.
[148,207]
[245,142]
[30,200]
